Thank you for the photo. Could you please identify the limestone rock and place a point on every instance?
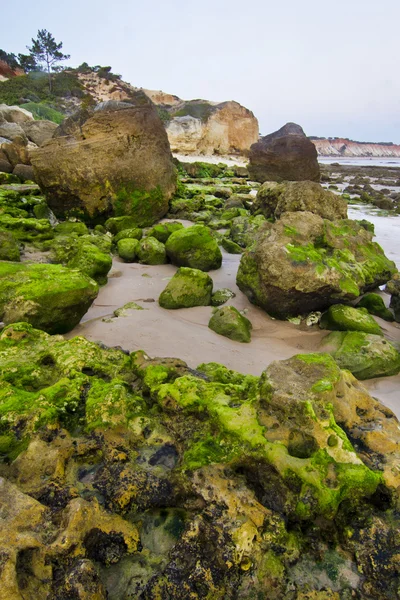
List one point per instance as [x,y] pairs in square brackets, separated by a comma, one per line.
[39,132]
[304,263]
[273,199]
[285,155]
[194,247]
[113,160]
[24,172]
[228,321]
[15,114]
[187,288]
[363,354]
[340,317]
[50,297]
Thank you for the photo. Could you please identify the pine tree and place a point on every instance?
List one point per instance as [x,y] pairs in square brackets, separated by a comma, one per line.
[46,50]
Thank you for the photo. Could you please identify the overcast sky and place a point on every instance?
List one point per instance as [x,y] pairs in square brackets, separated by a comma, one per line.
[332,67]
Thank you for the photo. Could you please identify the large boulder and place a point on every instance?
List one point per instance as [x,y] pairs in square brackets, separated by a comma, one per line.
[39,132]
[50,297]
[304,263]
[285,155]
[15,114]
[273,199]
[111,160]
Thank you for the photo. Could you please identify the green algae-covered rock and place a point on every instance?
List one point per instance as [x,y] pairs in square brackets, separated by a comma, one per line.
[375,306]
[116,224]
[91,261]
[134,234]
[231,246]
[340,317]
[304,263]
[128,249]
[50,297]
[243,230]
[9,249]
[162,231]
[365,355]
[228,321]
[68,227]
[187,288]
[151,252]
[221,296]
[27,230]
[194,247]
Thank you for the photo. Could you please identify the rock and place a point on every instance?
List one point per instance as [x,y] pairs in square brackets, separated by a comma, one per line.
[228,321]
[133,234]
[9,249]
[24,172]
[131,170]
[201,127]
[393,288]
[303,263]
[365,355]
[50,297]
[8,178]
[375,306]
[285,155]
[69,227]
[221,296]
[15,114]
[273,199]
[243,231]
[128,249]
[151,252]
[39,132]
[17,152]
[91,261]
[27,230]
[5,166]
[162,231]
[230,246]
[187,288]
[117,224]
[12,131]
[346,318]
[194,247]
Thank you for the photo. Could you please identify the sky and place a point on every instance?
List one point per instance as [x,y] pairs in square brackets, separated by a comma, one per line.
[332,67]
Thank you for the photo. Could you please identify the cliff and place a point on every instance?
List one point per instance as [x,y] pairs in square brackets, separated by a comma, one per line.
[344,147]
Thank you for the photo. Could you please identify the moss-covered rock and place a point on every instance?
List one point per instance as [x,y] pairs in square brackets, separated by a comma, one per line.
[91,261]
[68,227]
[133,234]
[340,317]
[117,224]
[365,355]
[244,229]
[304,263]
[221,296]
[151,252]
[162,231]
[194,247]
[231,246]
[187,288]
[375,306]
[9,249]
[128,249]
[27,230]
[228,321]
[50,297]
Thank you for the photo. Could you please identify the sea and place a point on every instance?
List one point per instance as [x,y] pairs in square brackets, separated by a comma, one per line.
[362,161]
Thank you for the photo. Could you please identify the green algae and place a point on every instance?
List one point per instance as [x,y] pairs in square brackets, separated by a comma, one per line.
[187,288]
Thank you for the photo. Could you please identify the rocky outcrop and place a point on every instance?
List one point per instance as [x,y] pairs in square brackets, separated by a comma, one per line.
[304,263]
[344,147]
[111,160]
[201,127]
[285,155]
[273,199]
[126,476]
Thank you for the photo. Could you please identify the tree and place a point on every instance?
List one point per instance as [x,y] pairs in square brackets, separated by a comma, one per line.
[46,50]
[27,62]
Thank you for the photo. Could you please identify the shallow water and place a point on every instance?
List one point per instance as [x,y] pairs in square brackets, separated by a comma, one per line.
[362,161]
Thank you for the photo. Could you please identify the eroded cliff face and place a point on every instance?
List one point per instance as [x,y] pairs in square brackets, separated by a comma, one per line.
[344,147]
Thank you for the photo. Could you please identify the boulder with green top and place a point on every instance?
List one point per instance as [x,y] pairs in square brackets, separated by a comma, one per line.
[375,306]
[363,354]
[273,199]
[229,322]
[151,252]
[134,234]
[128,249]
[50,297]
[27,230]
[340,317]
[131,169]
[221,296]
[230,246]
[162,231]
[194,247]
[9,249]
[303,263]
[117,224]
[68,227]
[187,288]
[244,229]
